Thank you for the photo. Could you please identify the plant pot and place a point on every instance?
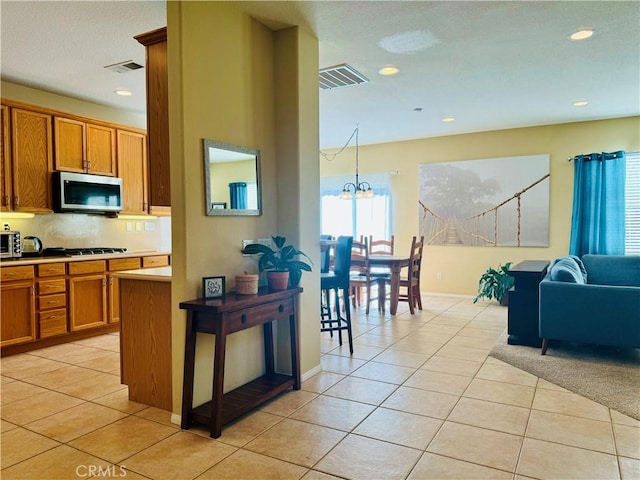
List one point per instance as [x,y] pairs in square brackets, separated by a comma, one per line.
[277,280]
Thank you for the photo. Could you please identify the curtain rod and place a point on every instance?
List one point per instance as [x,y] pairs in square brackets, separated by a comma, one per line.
[608,156]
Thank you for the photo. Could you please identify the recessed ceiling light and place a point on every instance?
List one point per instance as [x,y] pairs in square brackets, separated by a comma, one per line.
[582,34]
[123,92]
[388,70]
[580,103]
[448,119]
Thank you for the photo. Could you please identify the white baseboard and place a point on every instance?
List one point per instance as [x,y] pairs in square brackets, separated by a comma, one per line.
[310,373]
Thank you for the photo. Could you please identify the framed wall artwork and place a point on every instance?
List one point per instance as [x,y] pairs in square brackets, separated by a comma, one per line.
[497,202]
[213,287]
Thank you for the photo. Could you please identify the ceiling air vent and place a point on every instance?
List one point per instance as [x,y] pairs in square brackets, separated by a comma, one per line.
[124,67]
[340,76]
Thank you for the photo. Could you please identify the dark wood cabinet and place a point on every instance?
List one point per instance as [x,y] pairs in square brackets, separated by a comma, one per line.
[524,300]
[155,43]
[222,317]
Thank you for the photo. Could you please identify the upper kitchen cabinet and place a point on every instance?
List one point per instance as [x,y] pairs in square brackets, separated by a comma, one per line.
[157,120]
[31,161]
[84,147]
[132,168]
[5,160]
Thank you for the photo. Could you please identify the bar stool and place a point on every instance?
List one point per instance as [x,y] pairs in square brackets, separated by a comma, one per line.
[337,281]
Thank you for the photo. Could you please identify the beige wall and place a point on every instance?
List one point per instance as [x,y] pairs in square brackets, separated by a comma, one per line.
[33,96]
[462,266]
[222,86]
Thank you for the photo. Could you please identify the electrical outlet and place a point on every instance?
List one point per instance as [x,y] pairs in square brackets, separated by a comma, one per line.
[265,241]
[244,244]
[149,226]
[129,227]
[439,276]
[138,226]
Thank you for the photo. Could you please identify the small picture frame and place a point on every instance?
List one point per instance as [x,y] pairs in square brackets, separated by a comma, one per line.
[219,205]
[213,287]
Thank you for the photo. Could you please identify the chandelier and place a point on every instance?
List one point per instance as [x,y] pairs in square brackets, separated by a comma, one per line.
[358,189]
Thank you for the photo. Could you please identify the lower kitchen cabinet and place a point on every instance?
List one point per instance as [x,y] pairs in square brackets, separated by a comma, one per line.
[87,295]
[17,303]
[52,300]
[47,304]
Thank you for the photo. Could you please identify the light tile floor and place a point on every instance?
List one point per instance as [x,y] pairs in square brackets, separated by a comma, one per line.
[418,399]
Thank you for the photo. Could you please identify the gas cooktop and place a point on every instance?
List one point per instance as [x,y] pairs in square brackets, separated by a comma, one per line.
[74,252]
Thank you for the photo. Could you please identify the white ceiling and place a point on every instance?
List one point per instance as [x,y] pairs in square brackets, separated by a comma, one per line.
[491,65]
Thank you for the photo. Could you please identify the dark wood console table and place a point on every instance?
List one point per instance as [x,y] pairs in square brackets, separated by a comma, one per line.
[223,317]
[524,300]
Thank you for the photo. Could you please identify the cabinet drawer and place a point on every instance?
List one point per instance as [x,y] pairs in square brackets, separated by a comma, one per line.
[51,270]
[80,268]
[258,315]
[53,322]
[48,302]
[124,264]
[46,287]
[155,261]
[7,274]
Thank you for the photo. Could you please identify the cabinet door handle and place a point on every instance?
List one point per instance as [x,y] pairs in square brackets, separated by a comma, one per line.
[281,308]
[16,201]
[10,274]
[54,316]
[6,200]
[243,318]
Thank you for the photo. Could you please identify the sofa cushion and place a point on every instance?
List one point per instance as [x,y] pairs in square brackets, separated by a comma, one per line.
[619,270]
[567,269]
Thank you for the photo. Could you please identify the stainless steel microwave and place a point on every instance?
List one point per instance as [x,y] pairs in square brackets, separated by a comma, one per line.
[79,192]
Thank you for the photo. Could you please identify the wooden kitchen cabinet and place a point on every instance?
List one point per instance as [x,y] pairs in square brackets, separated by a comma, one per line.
[87,294]
[84,147]
[133,169]
[117,265]
[5,160]
[157,120]
[31,161]
[17,305]
[52,299]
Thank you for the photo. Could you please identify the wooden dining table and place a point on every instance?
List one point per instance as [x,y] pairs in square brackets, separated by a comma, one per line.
[395,264]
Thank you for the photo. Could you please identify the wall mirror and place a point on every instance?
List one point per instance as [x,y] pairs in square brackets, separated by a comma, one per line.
[232,179]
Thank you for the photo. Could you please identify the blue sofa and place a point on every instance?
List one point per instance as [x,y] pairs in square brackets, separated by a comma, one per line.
[595,299]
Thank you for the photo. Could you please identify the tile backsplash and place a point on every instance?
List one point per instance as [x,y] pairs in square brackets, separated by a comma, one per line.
[71,230]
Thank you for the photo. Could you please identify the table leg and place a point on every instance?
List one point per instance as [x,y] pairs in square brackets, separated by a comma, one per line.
[395,288]
[295,350]
[267,331]
[218,383]
[189,364]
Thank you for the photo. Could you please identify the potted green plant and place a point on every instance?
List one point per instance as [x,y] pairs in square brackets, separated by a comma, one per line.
[281,263]
[495,284]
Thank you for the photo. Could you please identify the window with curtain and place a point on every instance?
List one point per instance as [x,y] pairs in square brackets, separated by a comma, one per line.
[632,204]
[356,217]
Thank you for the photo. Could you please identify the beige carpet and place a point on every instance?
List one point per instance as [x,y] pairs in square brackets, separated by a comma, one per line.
[609,376]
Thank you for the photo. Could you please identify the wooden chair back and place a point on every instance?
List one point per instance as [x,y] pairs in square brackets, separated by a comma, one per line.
[415,259]
[381,247]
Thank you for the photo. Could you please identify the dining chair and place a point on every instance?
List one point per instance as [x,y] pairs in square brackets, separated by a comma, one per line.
[382,275]
[381,246]
[412,281]
[325,254]
[332,284]
[359,278]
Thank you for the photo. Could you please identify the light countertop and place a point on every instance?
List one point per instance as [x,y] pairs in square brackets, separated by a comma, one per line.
[159,274]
